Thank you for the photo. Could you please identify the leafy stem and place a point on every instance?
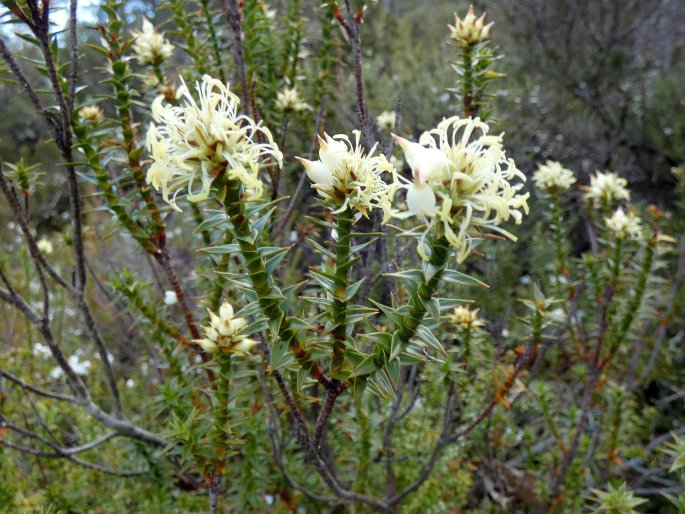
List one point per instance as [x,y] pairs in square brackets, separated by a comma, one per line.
[262,283]
[343,263]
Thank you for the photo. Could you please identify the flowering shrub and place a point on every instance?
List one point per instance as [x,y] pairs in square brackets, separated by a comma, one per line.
[276,319]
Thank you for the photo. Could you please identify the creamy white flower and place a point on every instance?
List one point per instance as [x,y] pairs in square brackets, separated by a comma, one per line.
[288,100]
[552,176]
[90,113]
[45,246]
[170,297]
[150,46]
[80,367]
[198,141]
[347,177]
[41,350]
[464,183]
[224,332]
[622,224]
[606,187]
[464,318]
[386,120]
[471,30]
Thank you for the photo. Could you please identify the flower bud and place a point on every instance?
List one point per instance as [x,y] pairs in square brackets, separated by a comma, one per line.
[238,324]
[211,334]
[214,320]
[471,30]
[421,199]
[245,345]
[332,152]
[226,311]
[207,345]
[170,297]
[226,328]
[426,163]
[317,172]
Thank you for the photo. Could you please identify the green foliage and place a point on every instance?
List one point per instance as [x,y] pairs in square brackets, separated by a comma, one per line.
[380,373]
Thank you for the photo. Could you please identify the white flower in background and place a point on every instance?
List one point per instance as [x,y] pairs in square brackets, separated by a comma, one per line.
[471,30]
[605,187]
[386,120]
[465,183]
[345,176]
[223,332]
[91,113]
[552,176]
[170,297]
[289,100]
[464,318]
[150,46]
[80,367]
[622,224]
[198,141]
[41,350]
[130,383]
[45,246]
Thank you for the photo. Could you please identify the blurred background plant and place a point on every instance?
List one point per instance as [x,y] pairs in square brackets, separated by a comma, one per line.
[556,388]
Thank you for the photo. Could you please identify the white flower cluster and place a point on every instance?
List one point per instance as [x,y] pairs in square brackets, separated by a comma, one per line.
[223,333]
[386,120]
[464,318]
[289,100]
[198,141]
[606,187]
[465,183]
[347,177]
[90,113]
[471,30]
[150,46]
[45,246]
[622,224]
[552,176]
[76,364]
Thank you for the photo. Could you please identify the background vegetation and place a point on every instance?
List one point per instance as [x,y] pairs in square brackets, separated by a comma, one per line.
[595,85]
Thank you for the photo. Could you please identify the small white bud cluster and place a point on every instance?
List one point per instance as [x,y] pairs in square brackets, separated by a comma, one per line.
[90,113]
[464,318]
[606,187]
[150,46]
[289,100]
[223,333]
[552,176]
[471,30]
[386,120]
[624,224]
[45,246]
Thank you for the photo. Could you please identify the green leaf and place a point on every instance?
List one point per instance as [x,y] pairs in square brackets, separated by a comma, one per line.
[221,249]
[321,249]
[326,283]
[280,355]
[427,336]
[366,367]
[352,289]
[413,275]
[456,277]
